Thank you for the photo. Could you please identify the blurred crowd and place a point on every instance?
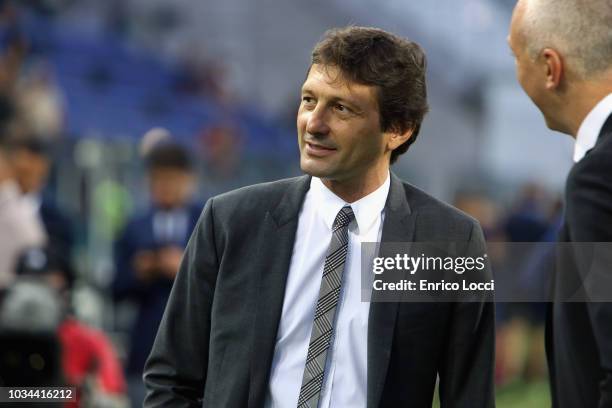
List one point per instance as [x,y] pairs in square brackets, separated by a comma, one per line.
[532,215]
[44,340]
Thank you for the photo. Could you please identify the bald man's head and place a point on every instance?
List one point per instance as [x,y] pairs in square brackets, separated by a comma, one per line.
[580,30]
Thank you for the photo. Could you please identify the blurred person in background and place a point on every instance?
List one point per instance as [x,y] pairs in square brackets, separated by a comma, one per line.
[222,148]
[89,361]
[527,221]
[482,207]
[563,54]
[520,329]
[13,51]
[31,159]
[267,309]
[40,102]
[20,226]
[149,250]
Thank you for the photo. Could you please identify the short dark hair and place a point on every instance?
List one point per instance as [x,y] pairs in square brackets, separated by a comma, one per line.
[396,66]
[169,155]
[33,144]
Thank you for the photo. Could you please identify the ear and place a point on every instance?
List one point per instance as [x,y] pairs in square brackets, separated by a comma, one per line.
[554,68]
[398,138]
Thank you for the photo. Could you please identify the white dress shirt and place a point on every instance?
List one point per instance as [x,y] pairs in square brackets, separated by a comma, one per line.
[20,229]
[345,376]
[591,126]
[170,226]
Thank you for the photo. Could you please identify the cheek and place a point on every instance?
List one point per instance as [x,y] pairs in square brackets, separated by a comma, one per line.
[520,74]
[366,145]
[301,122]
[525,77]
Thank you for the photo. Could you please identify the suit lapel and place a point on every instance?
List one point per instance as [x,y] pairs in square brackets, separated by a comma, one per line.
[398,226]
[606,129]
[279,229]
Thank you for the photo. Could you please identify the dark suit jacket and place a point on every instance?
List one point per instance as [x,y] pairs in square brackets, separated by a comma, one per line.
[216,341]
[60,229]
[150,298]
[579,335]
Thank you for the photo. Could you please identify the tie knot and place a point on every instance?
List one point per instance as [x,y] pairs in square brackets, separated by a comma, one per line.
[344,218]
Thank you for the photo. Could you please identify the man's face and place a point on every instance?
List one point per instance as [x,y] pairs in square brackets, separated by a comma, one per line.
[30,169]
[338,122]
[170,187]
[530,73]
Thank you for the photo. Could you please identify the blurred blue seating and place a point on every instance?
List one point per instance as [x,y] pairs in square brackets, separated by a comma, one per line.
[114,90]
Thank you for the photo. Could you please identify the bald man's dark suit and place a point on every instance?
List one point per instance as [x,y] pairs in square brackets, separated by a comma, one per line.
[217,338]
[579,335]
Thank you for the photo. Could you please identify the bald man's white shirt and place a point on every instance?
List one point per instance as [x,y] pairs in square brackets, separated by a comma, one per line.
[591,126]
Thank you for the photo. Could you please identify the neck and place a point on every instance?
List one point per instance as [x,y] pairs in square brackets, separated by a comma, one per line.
[584,98]
[352,190]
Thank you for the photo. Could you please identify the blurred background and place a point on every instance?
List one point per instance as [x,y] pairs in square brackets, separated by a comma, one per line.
[120,118]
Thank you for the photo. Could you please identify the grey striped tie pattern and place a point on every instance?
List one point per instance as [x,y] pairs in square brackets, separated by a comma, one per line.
[322,328]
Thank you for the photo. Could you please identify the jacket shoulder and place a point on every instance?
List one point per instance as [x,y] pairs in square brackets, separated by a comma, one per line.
[256,198]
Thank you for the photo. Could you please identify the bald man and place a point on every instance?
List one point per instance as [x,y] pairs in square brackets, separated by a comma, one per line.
[563,51]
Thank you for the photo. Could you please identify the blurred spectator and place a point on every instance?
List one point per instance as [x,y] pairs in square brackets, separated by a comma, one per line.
[204,78]
[31,162]
[88,359]
[480,206]
[520,334]
[149,250]
[528,219]
[13,48]
[40,103]
[20,227]
[222,147]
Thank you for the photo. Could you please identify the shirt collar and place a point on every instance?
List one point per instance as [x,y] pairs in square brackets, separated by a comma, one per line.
[366,209]
[35,199]
[591,126]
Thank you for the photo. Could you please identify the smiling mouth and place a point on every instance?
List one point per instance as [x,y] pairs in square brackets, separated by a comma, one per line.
[318,146]
[317,150]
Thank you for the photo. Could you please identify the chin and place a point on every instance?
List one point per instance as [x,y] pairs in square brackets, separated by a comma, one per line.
[314,170]
[549,123]
[554,125]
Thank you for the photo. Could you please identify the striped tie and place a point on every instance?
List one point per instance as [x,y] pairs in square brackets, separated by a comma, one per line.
[322,328]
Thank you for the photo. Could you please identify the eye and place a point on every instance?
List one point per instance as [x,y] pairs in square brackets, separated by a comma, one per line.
[341,108]
[307,99]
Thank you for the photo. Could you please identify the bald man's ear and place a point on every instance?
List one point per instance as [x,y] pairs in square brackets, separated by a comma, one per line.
[554,68]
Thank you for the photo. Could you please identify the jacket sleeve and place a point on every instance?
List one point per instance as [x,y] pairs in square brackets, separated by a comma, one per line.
[467,365]
[589,217]
[175,372]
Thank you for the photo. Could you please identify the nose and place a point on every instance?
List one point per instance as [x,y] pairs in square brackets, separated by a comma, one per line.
[317,122]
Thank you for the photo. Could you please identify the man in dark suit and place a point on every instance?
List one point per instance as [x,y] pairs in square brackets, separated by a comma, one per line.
[266,309]
[148,252]
[564,63]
